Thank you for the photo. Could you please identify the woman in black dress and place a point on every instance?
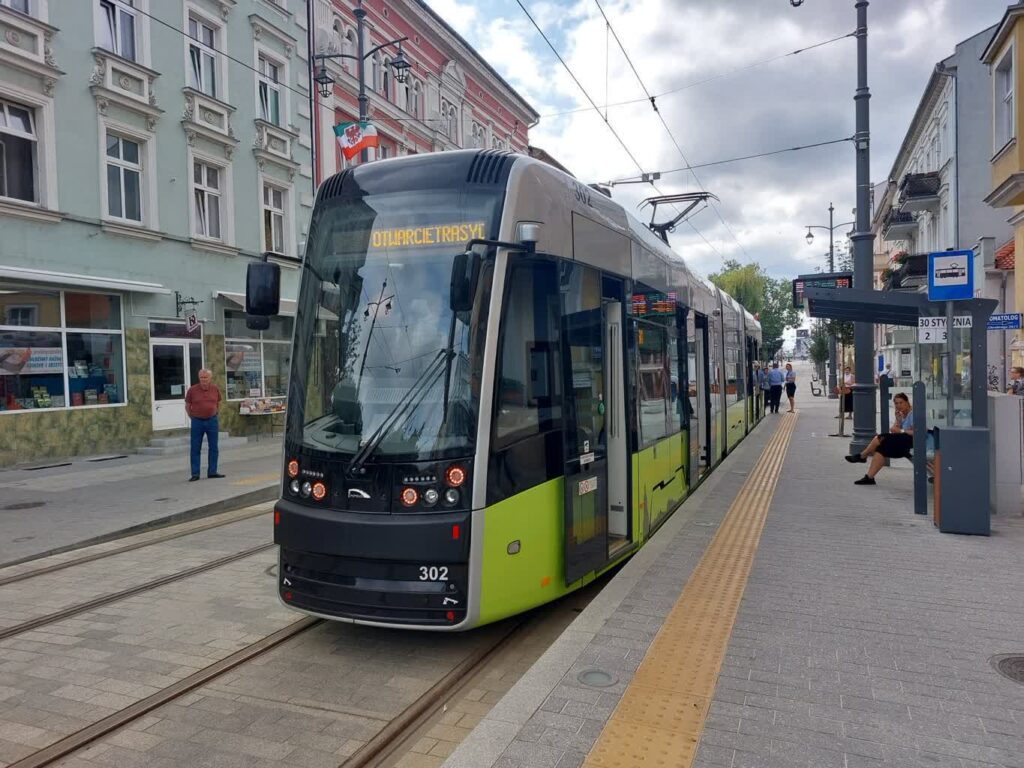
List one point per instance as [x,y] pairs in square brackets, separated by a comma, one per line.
[895,445]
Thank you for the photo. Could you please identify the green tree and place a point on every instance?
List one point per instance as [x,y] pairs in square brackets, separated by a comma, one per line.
[770,299]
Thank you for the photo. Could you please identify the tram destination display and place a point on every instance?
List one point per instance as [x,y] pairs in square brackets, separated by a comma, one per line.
[823,280]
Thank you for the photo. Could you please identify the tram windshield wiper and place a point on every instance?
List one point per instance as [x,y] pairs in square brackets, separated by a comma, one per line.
[402,409]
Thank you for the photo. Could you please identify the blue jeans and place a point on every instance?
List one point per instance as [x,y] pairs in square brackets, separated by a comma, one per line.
[211,429]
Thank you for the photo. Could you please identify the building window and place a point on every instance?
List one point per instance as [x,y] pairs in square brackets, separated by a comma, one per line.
[256,362]
[479,136]
[18,148]
[124,178]
[273,218]
[385,80]
[16,5]
[60,349]
[118,28]
[206,193]
[269,90]
[375,73]
[1004,122]
[414,103]
[202,54]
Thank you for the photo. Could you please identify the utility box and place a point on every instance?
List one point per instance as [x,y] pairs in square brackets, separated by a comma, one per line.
[1006,453]
[962,480]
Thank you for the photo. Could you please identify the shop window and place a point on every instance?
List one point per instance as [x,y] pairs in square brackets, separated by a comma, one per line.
[18,150]
[257,364]
[74,356]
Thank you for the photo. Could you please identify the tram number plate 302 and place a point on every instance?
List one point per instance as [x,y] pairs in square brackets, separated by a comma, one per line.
[433,573]
[587,486]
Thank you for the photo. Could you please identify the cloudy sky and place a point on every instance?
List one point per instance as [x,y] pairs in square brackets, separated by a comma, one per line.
[794,100]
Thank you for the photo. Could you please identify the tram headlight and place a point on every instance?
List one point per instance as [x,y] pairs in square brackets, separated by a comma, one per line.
[293,486]
[319,491]
[430,497]
[451,497]
[306,490]
[293,468]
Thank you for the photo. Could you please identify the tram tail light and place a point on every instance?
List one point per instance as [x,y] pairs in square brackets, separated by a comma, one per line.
[455,476]
[410,496]
[293,468]
[456,532]
[450,615]
[319,491]
[277,517]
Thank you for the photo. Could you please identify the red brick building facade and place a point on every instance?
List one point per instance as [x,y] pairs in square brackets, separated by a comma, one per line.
[451,99]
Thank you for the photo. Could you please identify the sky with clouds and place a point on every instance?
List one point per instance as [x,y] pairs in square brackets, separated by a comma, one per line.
[692,49]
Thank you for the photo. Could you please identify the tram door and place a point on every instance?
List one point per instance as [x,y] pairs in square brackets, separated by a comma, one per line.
[592,422]
[700,399]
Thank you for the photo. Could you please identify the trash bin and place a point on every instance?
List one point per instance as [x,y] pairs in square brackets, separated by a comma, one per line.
[961,480]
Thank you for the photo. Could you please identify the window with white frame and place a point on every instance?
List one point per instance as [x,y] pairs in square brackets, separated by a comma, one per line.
[1004,118]
[207,188]
[60,349]
[414,99]
[269,89]
[18,152]
[202,55]
[16,5]
[273,218]
[118,28]
[385,80]
[375,73]
[124,178]
[256,362]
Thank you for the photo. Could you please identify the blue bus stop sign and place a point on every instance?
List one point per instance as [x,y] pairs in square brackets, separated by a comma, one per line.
[950,275]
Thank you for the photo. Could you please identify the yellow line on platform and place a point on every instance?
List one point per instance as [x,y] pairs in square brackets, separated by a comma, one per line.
[659,721]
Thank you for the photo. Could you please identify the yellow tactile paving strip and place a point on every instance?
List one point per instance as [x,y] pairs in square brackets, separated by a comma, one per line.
[659,720]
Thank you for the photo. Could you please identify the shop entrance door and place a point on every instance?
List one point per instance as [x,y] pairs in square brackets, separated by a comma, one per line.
[174,365]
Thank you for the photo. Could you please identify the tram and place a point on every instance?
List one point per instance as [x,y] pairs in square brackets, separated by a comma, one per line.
[502,384]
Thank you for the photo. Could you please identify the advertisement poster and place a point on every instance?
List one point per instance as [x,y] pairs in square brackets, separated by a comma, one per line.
[242,358]
[31,361]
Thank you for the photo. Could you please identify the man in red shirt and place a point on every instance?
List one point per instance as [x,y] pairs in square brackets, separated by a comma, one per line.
[201,403]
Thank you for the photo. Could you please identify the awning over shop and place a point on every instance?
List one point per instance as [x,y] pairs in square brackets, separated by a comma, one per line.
[238,299]
[83,281]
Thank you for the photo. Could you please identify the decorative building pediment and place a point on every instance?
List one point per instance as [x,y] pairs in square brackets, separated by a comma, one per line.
[453,77]
[210,118]
[26,45]
[115,80]
[273,145]
[263,30]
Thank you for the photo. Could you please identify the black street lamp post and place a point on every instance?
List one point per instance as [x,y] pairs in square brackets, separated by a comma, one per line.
[399,64]
[864,411]
[832,381]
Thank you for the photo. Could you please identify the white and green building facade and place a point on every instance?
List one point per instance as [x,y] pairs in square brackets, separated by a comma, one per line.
[148,150]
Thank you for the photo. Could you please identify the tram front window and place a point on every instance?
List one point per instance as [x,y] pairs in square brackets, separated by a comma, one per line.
[385,367]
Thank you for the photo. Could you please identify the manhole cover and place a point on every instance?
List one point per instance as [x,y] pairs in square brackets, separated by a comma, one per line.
[1010,666]
[24,505]
[597,678]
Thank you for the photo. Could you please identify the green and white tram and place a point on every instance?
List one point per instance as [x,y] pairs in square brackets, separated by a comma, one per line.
[502,384]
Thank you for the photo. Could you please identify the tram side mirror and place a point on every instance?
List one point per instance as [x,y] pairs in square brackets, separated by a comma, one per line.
[262,289]
[465,272]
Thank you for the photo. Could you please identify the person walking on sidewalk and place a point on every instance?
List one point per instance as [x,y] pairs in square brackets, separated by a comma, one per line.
[791,386]
[201,404]
[848,391]
[895,445]
[776,379]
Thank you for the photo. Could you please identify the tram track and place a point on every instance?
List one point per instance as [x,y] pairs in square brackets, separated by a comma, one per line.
[113,597]
[60,566]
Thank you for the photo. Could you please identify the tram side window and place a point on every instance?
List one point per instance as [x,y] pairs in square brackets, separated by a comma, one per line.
[528,397]
[654,383]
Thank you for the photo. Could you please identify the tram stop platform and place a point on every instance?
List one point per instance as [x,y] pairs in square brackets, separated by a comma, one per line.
[785,617]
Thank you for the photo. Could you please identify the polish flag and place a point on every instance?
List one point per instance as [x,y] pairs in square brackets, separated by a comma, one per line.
[353,138]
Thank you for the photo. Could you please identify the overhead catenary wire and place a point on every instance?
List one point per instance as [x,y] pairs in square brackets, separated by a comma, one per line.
[703,81]
[597,109]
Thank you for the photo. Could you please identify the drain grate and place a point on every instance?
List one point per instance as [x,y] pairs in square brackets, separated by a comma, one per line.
[1010,666]
[24,505]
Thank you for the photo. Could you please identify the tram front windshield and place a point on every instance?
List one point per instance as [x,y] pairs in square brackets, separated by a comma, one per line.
[387,365]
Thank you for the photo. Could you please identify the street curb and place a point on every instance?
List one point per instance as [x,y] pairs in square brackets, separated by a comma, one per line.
[266,493]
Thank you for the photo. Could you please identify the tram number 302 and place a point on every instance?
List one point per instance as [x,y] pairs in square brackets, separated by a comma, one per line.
[433,573]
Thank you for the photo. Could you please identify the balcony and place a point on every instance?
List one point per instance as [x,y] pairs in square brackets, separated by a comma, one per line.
[899,225]
[920,192]
[909,273]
